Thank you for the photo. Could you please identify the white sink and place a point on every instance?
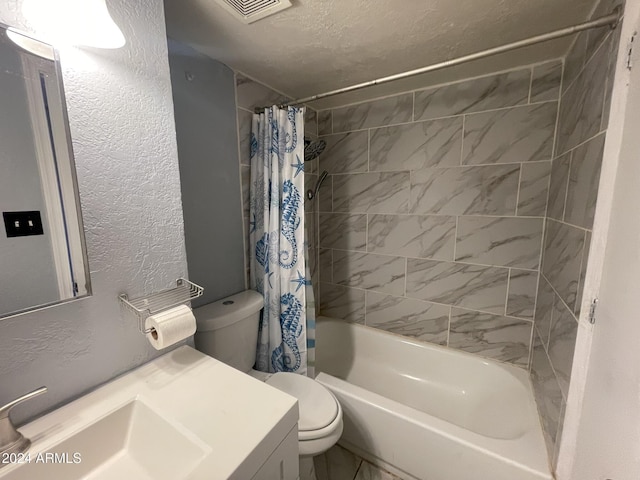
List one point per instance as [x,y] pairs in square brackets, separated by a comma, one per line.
[131,442]
[182,416]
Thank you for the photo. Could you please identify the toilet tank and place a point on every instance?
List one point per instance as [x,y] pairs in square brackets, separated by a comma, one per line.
[228,329]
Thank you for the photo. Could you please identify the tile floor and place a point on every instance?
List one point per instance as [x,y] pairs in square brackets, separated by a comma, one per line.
[340,464]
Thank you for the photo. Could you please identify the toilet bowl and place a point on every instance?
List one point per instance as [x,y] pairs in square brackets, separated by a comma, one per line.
[320,421]
[228,331]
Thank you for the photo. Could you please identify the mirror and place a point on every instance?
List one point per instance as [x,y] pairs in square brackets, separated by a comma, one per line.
[42,251]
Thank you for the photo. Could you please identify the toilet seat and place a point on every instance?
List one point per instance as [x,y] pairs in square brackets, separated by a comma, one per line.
[320,412]
[323,432]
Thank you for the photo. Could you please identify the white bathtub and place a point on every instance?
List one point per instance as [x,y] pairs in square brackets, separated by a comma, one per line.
[428,412]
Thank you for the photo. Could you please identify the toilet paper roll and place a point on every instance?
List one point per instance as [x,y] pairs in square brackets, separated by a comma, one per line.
[170,326]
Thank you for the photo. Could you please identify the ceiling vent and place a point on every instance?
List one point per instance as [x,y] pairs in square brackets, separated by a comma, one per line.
[249,11]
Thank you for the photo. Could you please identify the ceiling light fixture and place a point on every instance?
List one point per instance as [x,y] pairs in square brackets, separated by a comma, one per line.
[74,22]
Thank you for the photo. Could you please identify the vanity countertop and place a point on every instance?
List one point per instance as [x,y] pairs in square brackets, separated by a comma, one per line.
[236,420]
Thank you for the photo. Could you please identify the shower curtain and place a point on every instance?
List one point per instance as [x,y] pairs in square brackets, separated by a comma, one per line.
[278,268]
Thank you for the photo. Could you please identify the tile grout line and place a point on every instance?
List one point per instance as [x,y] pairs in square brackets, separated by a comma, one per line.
[542,244]
[544,234]
[368,150]
[556,133]
[406,273]
[586,60]
[411,214]
[413,107]
[553,369]
[566,192]
[534,332]
[331,263]
[530,358]
[410,202]
[432,259]
[332,182]
[554,376]
[440,85]
[506,300]
[578,306]
[431,302]
[455,240]
[366,233]
[449,326]
[435,119]
[458,167]
[562,222]
[464,123]
[545,344]
[546,206]
[558,437]
[402,214]
[331,120]
[607,80]
[530,86]
[561,299]
[518,190]
[581,144]
[537,332]
[574,42]
[366,294]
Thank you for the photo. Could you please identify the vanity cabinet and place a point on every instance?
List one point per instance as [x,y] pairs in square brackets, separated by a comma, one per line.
[182,416]
[283,462]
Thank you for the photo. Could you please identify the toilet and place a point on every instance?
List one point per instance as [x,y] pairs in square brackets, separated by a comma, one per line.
[228,331]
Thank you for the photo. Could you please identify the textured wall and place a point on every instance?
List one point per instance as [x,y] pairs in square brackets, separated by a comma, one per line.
[121,118]
[334,43]
[431,222]
[250,95]
[28,272]
[206,131]
[575,172]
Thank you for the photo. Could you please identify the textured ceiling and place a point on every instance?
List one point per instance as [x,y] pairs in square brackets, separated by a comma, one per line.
[319,45]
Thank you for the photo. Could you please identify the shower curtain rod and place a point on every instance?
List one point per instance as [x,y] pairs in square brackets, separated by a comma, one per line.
[612,20]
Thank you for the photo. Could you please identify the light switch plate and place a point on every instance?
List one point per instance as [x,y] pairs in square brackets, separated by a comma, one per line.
[22,224]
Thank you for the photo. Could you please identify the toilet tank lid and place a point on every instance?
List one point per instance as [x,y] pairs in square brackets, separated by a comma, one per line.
[228,310]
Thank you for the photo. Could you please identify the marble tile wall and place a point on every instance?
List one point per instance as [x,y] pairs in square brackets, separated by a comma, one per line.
[573,190]
[461,214]
[251,94]
[431,222]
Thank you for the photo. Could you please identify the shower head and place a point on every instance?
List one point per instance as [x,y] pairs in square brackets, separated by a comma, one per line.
[313,149]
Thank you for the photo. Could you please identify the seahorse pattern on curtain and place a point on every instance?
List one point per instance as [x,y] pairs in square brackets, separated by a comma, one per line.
[278,268]
[311,316]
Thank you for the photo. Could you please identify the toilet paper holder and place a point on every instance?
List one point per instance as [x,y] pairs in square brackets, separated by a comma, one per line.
[143,307]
